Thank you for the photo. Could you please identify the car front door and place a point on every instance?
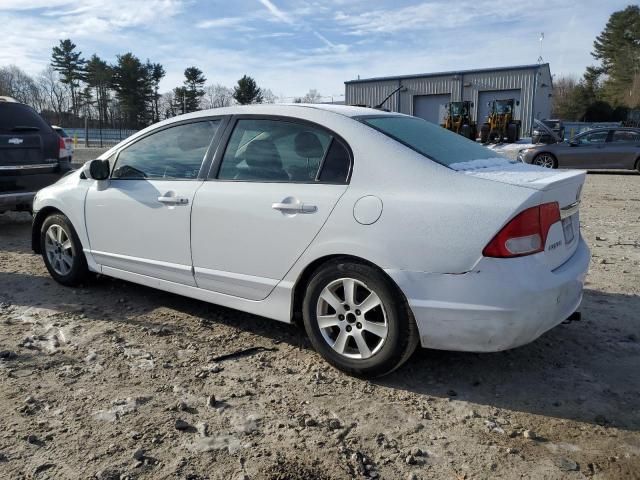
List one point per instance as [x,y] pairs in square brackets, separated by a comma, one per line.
[588,151]
[138,221]
[269,193]
[625,149]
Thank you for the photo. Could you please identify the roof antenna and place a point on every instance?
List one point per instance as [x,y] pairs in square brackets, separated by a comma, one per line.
[540,60]
[401,88]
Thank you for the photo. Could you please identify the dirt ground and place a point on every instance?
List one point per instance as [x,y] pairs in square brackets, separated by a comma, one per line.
[119,381]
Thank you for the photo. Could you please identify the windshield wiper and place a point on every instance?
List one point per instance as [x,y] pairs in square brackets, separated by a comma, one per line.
[24,128]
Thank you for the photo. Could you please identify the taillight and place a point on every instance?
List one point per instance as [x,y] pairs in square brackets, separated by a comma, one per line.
[62,147]
[525,234]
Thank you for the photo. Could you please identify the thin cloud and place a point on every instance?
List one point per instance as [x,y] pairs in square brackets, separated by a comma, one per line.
[276,12]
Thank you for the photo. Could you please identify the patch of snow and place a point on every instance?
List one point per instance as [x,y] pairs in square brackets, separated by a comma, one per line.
[503,170]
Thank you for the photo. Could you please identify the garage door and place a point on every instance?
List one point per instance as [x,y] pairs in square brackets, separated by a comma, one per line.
[489,95]
[431,107]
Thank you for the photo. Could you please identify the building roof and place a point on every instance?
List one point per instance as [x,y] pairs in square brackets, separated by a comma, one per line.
[453,72]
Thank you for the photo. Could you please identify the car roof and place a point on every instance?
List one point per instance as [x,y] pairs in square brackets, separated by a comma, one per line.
[286,109]
[607,129]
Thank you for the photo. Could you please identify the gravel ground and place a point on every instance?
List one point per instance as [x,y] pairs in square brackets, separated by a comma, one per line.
[117,381]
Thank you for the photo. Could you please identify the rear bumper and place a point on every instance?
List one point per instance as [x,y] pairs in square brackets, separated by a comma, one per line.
[12,200]
[19,185]
[502,304]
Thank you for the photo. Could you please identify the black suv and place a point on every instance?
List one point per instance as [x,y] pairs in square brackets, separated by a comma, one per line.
[29,155]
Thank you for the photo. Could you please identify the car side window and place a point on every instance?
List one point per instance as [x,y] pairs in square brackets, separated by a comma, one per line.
[594,138]
[264,150]
[626,136]
[172,153]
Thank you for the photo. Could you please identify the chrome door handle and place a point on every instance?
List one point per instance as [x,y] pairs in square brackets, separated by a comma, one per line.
[294,207]
[168,200]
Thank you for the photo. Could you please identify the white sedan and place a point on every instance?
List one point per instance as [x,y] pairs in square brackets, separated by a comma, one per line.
[379,230]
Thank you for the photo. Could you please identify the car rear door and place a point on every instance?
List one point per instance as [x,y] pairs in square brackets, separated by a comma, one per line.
[138,221]
[270,192]
[28,150]
[625,149]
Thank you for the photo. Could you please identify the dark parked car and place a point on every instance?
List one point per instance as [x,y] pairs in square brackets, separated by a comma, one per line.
[30,155]
[547,131]
[605,148]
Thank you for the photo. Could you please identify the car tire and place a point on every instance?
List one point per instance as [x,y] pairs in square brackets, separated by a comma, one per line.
[368,343]
[545,160]
[62,251]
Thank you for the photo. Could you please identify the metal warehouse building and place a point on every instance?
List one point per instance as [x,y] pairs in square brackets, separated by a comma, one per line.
[426,95]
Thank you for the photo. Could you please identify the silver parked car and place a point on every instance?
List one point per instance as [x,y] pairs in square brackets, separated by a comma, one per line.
[607,148]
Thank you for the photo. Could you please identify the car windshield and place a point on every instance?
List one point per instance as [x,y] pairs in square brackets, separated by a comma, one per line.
[15,117]
[429,139]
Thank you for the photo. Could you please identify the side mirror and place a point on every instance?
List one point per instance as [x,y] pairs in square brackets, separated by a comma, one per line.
[517,102]
[98,170]
[573,143]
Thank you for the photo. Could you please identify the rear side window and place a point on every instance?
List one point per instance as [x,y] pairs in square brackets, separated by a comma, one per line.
[429,139]
[265,150]
[626,136]
[337,163]
[16,117]
[173,153]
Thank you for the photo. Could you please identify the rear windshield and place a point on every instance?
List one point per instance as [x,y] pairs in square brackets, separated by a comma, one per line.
[429,139]
[15,117]
[61,132]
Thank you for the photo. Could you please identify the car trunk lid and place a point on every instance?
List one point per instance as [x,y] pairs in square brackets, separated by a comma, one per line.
[563,187]
[27,148]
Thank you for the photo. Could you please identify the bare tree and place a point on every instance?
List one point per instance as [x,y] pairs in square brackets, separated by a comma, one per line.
[268,96]
[167,105]
[563,96]
[312,96]
[15,83]
[56,94]
[216,96]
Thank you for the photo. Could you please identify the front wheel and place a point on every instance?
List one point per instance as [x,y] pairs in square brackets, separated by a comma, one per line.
[358,320]
[62,251]
[545,160]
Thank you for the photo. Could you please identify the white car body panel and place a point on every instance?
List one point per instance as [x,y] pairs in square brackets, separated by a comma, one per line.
[241,245]
[428,237]
[129,229]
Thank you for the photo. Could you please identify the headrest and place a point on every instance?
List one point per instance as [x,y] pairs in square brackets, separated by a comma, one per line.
[262,154]
[308,145]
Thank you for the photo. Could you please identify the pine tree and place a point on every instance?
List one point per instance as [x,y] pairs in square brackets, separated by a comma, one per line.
[157,74]
[98,76]
[194,81]
[618,50]
[132,84]
[70,65]
[247,91]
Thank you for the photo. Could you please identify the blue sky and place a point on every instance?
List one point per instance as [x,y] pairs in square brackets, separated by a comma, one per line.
[293,46]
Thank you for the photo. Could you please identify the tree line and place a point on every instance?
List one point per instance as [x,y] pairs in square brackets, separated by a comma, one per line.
[611,90]
[122,94]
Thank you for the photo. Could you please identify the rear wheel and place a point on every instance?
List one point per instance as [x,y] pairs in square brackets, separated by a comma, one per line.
[357,320]
[545,160]
[484,133]
[62,251]
[512,133]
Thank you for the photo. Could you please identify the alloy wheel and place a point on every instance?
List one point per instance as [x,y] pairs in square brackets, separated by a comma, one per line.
[544,160]
[352,318]
[59,249]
